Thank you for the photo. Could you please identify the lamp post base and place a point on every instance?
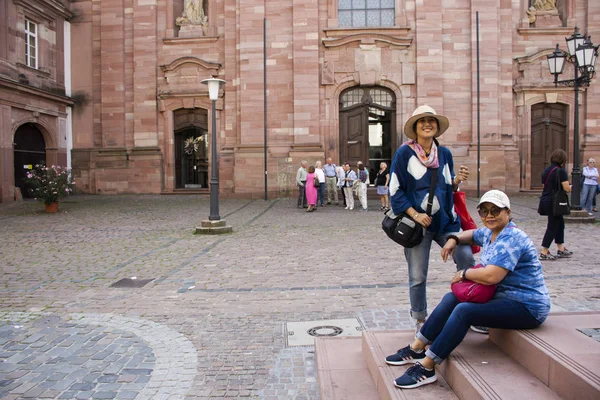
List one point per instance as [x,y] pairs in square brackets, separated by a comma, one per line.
[579,217]
[208,227]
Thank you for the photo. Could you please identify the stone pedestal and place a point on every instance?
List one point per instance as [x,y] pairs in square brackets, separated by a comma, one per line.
[192,30]
[547,19]
[208,227]
[579,217]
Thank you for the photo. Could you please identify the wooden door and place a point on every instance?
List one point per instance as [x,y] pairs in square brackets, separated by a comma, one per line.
[29,150]
[548,133]
[354,135]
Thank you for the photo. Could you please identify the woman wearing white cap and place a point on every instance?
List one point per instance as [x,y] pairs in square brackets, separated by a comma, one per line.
[411,170]
[521,301]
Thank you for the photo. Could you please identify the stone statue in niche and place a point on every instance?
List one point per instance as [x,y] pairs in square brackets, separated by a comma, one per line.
[544,5]
[193,21]
[543,13]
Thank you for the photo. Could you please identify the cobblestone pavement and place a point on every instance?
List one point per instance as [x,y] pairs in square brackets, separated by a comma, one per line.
[211,322]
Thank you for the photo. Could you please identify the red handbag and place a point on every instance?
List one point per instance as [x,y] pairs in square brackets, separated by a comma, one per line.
[466,222]
[473,292]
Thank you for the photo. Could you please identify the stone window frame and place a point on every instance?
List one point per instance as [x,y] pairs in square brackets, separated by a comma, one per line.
[400,20]
[354,9]
[28,37]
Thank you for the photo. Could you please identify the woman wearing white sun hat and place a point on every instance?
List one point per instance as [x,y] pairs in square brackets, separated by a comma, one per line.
[520,301]
[411,170]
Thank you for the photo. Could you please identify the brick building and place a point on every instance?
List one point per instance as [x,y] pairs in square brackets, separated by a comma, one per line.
[342,77]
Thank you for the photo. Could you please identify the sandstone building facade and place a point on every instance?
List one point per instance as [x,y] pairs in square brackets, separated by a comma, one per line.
[35,104]
[342,76]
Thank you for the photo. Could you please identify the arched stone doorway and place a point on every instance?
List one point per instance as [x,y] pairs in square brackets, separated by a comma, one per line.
[29,150]
[367,126]
[191,148]
[548,133]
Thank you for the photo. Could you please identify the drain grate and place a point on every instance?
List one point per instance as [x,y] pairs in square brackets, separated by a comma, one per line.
[131,283]
[304,333]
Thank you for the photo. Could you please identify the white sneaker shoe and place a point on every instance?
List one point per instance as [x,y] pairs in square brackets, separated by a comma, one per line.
[345,208]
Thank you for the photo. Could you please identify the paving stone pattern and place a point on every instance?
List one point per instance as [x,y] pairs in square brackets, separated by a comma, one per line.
[211,323]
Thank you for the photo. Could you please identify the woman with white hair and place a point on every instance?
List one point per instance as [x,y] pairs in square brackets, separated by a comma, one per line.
[411,172]
[520,301]
[320,174]
[590,184]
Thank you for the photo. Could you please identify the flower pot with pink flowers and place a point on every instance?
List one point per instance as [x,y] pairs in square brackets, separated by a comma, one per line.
[50,184]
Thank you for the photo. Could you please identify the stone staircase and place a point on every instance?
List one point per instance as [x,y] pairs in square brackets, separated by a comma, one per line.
[559,360]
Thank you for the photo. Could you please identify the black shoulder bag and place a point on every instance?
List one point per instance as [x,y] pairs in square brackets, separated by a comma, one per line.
[560,200]
[403,229]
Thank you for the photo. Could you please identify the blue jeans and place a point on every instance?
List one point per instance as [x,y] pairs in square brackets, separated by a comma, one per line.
[321,193]
[418,264]
[587,196]
[450,321]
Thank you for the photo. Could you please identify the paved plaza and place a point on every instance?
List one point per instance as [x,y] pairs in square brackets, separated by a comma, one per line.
[212,322]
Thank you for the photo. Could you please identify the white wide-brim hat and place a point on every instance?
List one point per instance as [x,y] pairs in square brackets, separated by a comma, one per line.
[496,197]
[425,111]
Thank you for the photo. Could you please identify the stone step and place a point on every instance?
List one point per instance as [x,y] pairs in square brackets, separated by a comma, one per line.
[376,345]
[341,369]
[563,353]
[478,369]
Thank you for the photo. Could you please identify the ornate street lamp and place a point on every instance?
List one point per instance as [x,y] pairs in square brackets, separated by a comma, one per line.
[214,224]
[582,54]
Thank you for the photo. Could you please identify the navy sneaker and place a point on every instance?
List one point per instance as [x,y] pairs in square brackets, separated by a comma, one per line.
[405,355]
[415,376]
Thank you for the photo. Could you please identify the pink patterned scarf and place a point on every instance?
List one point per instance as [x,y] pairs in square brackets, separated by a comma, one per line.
[431,160]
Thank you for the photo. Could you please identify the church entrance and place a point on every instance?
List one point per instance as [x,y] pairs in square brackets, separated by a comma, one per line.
[548,133]
[191,149]
[367,127]
[29,150]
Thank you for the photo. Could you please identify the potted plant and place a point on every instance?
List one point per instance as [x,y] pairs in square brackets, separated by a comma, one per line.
[50,184]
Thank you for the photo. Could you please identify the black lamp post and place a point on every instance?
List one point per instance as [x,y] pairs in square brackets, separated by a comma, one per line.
[582,54]
[214,85]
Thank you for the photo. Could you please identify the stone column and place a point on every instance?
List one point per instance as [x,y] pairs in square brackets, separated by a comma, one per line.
[306,70]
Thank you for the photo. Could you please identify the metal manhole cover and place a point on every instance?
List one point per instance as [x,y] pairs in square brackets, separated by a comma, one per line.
[131,283]
[594,333]
[303,333]
[326,330]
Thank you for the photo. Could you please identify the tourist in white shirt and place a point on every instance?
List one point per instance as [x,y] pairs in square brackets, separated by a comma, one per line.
[320,174]
[347,178]
[590,184]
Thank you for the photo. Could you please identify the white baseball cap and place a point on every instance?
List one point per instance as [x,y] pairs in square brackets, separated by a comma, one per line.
[496,197]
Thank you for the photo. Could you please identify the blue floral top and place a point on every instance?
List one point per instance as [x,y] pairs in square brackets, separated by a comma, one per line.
[514,251]
[409,187]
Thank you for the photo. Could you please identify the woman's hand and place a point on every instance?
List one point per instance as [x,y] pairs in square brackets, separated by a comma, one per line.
[423,219]
[462,175]
[448,249]
[457,277]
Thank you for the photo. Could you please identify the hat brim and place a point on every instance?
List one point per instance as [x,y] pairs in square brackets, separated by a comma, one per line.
[495,202]
[409,131]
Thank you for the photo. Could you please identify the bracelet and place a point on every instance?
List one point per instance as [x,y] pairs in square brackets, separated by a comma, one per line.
[455,238]
[463,274]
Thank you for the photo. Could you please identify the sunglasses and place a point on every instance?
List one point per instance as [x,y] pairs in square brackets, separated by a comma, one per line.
[495,211]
